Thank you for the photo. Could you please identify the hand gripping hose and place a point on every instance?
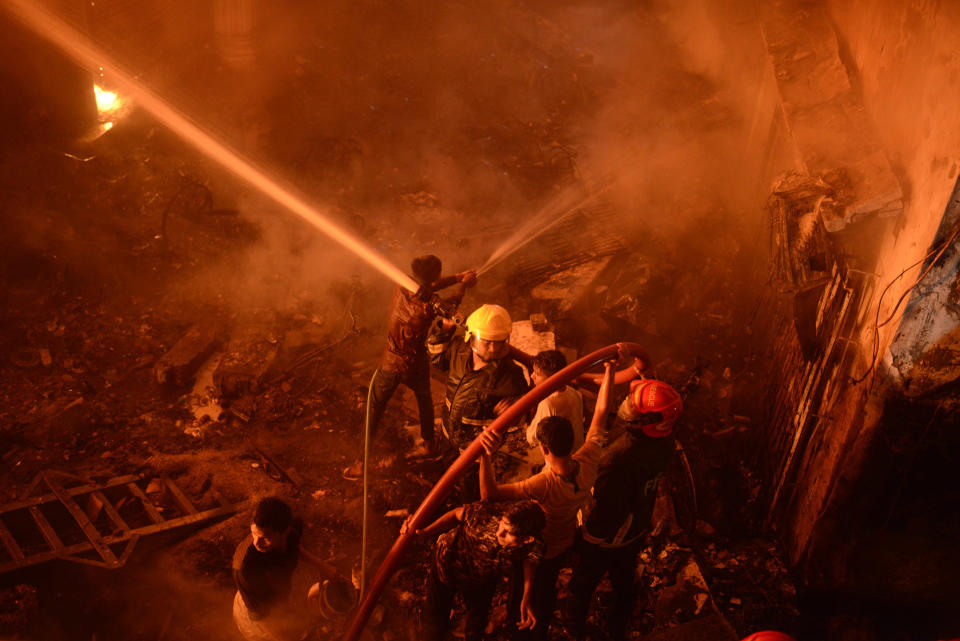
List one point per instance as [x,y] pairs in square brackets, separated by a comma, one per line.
[445,485]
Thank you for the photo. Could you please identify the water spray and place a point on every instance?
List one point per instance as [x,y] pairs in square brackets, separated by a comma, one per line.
[544,220]
[79,47]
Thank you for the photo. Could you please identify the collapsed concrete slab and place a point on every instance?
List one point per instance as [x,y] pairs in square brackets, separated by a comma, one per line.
[828,125]
[179,365]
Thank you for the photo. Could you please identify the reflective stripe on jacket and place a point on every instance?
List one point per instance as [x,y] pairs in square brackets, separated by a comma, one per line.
[472,394]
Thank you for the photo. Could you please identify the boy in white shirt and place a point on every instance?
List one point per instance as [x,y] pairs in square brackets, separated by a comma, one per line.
[565,402]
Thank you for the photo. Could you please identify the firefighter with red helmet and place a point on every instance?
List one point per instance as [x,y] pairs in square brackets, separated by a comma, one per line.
[768,635]
[623,500]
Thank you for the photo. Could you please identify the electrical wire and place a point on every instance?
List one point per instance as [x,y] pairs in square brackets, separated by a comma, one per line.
[933,262]
[877,324]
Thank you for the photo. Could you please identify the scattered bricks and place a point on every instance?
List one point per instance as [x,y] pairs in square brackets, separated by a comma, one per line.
[539,322]
[244,407]
[179,365]
[250,353]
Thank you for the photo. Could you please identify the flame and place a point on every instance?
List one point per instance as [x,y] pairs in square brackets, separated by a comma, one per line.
[108,102]
[105,99]
[96,131]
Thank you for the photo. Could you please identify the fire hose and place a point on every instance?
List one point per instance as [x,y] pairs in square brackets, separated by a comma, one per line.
[447,482]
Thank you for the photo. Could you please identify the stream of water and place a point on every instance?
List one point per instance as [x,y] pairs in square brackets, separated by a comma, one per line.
[77,46]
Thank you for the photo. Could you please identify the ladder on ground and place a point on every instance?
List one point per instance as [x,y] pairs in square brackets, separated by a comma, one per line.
[70,517]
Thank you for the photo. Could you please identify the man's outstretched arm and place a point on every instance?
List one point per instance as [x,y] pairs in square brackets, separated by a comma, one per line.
[490,490]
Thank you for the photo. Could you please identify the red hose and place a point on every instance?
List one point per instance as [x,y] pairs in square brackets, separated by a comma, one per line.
[640,365]
[445,485]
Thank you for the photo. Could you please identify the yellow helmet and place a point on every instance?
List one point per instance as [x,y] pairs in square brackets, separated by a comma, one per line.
[489,323]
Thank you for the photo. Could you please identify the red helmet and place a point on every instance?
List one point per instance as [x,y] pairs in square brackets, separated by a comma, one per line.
[656,405]
[768,635]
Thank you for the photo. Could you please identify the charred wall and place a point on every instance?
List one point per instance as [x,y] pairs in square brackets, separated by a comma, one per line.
[844,446]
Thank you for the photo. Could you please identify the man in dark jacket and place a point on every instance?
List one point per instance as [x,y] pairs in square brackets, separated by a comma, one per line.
[482,378]
[405,360]
[624,496]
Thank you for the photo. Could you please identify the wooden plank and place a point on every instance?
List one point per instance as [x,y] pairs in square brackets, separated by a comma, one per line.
[80,548]
[187,520]
[180,497]
[11,544]
[73,491]
[151,509]
[89,529]
[111,511]
[46,529]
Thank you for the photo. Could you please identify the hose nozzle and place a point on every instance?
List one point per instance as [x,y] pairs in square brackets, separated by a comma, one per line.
[447,310]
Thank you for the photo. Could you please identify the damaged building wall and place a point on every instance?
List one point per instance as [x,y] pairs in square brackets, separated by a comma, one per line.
[901,64]
[925,352]
[908,65]
[840,183]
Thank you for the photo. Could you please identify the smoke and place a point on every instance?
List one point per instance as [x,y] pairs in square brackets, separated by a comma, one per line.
[445,131]
[671,122]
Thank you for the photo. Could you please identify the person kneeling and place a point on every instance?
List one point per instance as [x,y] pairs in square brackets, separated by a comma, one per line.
[481,542]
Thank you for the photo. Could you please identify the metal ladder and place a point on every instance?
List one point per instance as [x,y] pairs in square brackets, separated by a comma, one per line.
[43,526]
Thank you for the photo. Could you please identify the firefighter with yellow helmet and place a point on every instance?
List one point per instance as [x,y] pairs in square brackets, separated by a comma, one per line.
[482,379]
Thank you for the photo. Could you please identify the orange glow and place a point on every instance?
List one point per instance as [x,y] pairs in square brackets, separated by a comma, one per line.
[109,103]
[106,100]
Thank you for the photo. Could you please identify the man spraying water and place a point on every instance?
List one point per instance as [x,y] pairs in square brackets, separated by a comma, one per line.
[405,360]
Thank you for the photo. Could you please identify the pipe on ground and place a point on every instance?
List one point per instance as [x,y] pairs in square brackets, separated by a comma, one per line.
[440,491]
